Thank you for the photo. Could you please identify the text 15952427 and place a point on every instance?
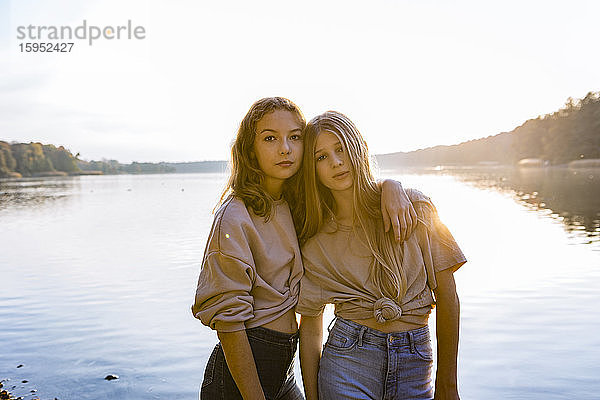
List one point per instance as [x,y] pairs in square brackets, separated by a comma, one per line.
[49,47]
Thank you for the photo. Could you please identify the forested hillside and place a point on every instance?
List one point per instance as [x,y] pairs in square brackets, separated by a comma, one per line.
[571,133]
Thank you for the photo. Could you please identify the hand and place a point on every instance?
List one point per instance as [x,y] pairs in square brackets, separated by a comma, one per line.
[397,210]
[238,355]
[445,391]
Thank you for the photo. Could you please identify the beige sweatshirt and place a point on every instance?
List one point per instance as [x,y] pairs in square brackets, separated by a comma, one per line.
[336,270]
[251,269]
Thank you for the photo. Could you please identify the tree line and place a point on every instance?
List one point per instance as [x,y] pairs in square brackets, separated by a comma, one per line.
[29,159]
[36,159]
[112,167]
[569,134]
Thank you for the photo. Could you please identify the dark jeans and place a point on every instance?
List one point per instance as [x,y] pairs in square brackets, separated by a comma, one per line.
[274,357]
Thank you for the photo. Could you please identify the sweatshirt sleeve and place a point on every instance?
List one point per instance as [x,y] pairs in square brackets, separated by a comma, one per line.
[223,296]
[223,300]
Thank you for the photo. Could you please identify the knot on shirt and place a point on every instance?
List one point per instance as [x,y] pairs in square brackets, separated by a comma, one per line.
[386,309]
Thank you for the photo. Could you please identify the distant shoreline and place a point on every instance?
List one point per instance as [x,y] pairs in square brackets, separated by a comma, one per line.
[577,165]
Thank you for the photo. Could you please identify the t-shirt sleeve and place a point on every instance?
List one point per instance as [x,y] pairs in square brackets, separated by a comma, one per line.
[310,298]
[445,252]
[440,250]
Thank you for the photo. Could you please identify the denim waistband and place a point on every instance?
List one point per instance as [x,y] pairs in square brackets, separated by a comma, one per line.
[378,338]
[271,336]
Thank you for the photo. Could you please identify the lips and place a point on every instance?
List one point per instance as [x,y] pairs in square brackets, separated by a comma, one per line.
[341,175]
[285,163]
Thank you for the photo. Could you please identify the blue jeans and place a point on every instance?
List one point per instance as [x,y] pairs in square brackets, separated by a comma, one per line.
[364,363]
[274,357]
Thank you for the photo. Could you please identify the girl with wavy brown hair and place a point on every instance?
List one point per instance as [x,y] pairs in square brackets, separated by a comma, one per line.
[383,292]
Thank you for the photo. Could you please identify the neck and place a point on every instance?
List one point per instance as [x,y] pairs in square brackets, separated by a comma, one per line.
[273,186]
[344,202]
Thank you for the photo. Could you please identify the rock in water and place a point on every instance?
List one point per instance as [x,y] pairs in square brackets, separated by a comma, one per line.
[111,377]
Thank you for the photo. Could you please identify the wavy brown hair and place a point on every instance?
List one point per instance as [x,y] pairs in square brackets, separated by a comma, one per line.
[386,270]
[245,180]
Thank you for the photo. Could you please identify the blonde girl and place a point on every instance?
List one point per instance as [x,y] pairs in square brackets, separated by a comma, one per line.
[383,292]
[249,282]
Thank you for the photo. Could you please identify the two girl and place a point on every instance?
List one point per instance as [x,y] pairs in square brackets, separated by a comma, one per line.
[250,278]
[379,346]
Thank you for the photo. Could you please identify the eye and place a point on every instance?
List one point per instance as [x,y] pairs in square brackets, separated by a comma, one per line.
[321,157]
[340,149]
[269,138]
[296,136]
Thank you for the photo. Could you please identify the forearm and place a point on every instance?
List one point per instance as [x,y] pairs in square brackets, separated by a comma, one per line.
[240,361]
[311,337]
[447,331]
[447,325]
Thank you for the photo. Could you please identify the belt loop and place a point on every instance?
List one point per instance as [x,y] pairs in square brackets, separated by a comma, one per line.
[363,329]
[411,341]
[331,323]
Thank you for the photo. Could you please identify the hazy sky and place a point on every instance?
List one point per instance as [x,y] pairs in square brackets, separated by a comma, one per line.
[411,74]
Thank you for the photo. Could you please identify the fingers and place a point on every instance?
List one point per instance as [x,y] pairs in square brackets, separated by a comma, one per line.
[404,224]
[413,219]
[386,219]
[405,231]
[397,223]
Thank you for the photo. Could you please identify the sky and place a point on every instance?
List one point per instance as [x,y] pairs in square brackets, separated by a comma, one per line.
[411,74]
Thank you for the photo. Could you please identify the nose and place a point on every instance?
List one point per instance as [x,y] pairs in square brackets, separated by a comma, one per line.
[336,160]
[285,147]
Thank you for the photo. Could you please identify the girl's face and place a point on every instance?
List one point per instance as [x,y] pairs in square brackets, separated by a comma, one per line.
[333,165]
[278,148]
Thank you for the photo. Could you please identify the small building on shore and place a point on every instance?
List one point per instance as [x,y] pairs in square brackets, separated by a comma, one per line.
[533,163]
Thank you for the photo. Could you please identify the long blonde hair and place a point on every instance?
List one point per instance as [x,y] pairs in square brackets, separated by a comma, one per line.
[246,176]
[386,270]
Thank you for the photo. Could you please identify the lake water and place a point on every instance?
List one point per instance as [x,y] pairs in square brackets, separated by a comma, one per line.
[97,275]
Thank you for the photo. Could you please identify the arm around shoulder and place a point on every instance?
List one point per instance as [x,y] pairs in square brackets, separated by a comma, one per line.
[397,209]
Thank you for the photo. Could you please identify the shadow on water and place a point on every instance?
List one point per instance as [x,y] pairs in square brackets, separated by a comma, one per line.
[29,192]
[571,195]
